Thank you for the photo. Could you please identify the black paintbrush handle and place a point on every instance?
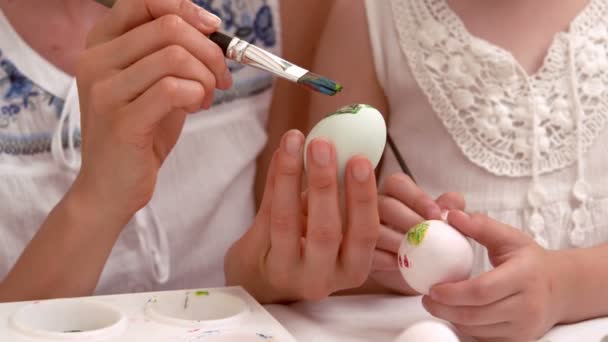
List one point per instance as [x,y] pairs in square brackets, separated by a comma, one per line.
[399,158]
[222,40]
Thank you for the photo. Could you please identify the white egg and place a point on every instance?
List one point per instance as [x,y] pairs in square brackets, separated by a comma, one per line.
[355,129]
[434,252]
[428,331]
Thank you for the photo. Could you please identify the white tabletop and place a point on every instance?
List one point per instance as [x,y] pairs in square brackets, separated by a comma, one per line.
[383,318]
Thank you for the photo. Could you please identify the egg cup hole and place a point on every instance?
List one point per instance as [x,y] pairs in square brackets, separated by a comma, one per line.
[196,309]
[68,319]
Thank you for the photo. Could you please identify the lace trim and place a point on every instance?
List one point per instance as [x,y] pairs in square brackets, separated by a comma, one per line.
[480,94]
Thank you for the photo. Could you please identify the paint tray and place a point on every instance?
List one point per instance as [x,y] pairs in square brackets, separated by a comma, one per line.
[201,315]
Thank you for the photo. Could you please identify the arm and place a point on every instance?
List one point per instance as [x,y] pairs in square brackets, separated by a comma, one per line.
[584,280]
[300,32]
[345,55]
[162,68]
[67,255]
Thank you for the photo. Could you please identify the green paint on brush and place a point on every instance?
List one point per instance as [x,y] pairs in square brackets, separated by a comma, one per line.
[321,84]
[416,235]
[201,293]
[351,109]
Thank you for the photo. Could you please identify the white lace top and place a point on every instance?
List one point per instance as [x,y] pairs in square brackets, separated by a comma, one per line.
[527,150]
[204,197]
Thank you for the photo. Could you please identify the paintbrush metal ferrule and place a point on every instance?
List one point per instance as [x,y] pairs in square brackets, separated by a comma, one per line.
[248,54]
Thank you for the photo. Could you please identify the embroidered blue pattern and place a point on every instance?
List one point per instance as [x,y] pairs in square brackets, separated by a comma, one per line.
[248,20]
[251,20]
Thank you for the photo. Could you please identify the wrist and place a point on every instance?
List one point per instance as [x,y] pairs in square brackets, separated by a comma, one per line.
[246,270]
[565,278]
[82,205]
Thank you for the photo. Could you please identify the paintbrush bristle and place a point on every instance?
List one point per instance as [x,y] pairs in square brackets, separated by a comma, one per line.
[319,83]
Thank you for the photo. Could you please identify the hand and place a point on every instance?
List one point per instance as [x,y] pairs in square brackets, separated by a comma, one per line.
[147,64]
[402,205]
[299,248]
[516,301]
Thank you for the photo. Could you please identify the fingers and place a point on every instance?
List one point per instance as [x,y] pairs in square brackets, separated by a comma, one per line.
[363,222]
[498,238]
[492,286]
[128,14]
[156,35]
[451,201]
[397,215]
[389,240]
[499,312]
[286,215]
[488,331]
[402,188]
[324,232]
[384,261]
[266,204]
[178,63]
[164,97]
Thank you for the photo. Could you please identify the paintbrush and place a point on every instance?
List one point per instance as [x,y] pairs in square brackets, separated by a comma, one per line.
[248,54]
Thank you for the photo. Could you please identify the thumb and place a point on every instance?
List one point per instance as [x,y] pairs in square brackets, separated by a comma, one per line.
[497,237]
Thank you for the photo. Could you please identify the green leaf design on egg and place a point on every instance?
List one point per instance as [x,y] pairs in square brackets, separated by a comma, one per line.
[416,235]
[351,109]
[201,293]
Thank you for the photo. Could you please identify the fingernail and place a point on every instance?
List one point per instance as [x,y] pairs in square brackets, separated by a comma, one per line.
[433,211]
[433,295]
[444,215]
[292,144]
[209,19]
[321,153]
[361,171]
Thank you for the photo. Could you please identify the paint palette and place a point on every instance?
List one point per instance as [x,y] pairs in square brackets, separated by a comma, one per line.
[209,315]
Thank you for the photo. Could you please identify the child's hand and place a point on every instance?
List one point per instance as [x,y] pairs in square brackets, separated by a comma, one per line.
[402,205]
[516,301]
[298,247]
[147,63]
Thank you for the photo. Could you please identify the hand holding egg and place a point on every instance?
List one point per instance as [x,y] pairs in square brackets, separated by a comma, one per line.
[433,252]
[305,245]
[355,129]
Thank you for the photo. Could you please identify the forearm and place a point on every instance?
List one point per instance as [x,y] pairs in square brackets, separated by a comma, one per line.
[66,256]
[584,284]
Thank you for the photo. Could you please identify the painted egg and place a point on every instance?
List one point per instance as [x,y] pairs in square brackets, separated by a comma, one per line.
[355,130]
[434,252]
[428,331]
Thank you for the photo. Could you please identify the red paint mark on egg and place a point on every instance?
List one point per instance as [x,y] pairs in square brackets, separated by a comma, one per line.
[403,261]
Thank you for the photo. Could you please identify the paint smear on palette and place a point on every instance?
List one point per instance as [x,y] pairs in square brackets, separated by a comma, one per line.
[224,336]
[264,336]
[416,235]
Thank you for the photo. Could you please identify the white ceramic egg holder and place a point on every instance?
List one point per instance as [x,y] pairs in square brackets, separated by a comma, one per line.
[205,315]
